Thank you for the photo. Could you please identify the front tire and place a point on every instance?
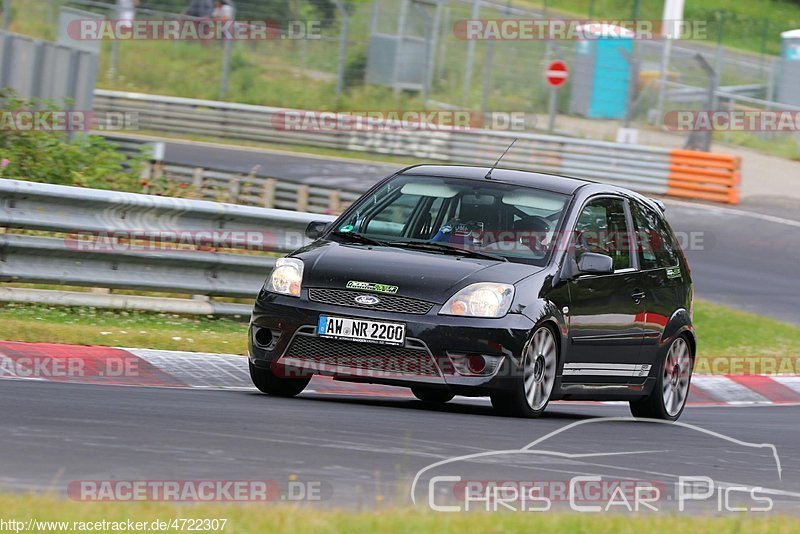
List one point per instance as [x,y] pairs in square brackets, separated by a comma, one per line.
[432,395]
[532,390]
[268,382]
[668,398]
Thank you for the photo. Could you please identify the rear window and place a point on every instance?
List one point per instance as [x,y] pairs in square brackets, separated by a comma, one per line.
[656,245]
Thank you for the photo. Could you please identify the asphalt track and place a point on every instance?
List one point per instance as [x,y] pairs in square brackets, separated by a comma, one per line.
[363,452]
[747,257]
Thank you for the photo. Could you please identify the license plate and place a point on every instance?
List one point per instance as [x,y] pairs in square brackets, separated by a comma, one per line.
[361,330]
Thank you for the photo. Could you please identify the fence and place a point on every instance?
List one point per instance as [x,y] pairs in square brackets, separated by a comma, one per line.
[253,190]
[486,74]
[42,70]
[647,169]
[491,75]
[139,242]
[221,185]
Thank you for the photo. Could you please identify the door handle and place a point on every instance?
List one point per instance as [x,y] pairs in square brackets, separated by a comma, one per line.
[638,295]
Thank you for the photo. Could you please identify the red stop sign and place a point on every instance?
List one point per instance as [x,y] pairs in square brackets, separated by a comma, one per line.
[556,73]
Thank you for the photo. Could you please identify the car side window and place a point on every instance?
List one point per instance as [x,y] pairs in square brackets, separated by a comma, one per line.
[602,228]
[656,247]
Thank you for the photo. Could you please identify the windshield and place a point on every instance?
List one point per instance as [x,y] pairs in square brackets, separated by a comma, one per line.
[501,220]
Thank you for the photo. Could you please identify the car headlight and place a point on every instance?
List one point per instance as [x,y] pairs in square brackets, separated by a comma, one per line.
[484,299]
[286,278]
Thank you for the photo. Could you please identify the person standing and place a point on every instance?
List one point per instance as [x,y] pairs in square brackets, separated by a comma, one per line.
[223,10]
[126,12]
[200,8]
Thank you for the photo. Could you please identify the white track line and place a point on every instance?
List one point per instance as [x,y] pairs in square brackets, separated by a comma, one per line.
[733,211]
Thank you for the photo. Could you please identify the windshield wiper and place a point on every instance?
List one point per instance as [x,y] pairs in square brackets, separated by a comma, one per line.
[447,249]
[359,238]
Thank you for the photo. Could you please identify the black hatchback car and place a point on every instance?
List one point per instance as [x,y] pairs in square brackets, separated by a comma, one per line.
[519,286]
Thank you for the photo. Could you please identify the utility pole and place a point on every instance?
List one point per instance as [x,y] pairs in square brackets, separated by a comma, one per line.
[6,13]
[476,12]
[342,46]
[673,12]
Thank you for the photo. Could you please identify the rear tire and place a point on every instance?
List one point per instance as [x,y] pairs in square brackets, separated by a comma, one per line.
[432,395]
[668,398]
[532,390]
[268,382]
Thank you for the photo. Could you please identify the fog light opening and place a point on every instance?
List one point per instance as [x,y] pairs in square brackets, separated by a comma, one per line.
[263,337]
[476,364]
[473,364]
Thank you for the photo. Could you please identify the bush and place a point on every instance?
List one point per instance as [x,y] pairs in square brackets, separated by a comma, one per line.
[57,157]
[355,70]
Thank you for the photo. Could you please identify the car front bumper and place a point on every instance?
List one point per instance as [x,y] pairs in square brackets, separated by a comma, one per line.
[292,345]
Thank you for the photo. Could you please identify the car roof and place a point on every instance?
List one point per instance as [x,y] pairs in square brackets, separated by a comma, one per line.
[548,182]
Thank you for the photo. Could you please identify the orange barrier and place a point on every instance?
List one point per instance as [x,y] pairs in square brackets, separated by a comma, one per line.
[704,176]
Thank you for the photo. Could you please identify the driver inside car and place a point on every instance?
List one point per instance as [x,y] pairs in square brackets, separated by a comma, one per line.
[465,234]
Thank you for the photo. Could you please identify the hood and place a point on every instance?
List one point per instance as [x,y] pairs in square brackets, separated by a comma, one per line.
[418,274]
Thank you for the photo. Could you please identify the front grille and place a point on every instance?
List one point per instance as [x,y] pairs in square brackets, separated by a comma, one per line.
[390,303]
[373,359]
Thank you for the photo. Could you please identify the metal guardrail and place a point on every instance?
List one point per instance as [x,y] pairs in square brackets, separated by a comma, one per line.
[255,190]
[131,241]
[642,168]
[251,189]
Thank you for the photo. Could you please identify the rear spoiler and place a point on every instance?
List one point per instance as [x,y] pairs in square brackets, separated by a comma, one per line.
[660,204]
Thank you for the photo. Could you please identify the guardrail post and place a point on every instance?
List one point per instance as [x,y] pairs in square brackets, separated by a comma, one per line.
[158,170]
[197,181]
[334,202]
[233,189]
[302,198]
[146,172]
[269,192]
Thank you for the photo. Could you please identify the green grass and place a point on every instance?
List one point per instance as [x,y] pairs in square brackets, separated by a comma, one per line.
[91,326]
[259,518]
[780,144]
[728,339]
[752,25]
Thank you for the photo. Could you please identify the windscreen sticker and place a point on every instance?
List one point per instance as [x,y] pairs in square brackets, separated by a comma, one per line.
[673,272]
[346,228]
[370,286]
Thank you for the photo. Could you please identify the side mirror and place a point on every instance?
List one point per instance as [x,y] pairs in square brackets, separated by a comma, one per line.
[316,229]
[591,263]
